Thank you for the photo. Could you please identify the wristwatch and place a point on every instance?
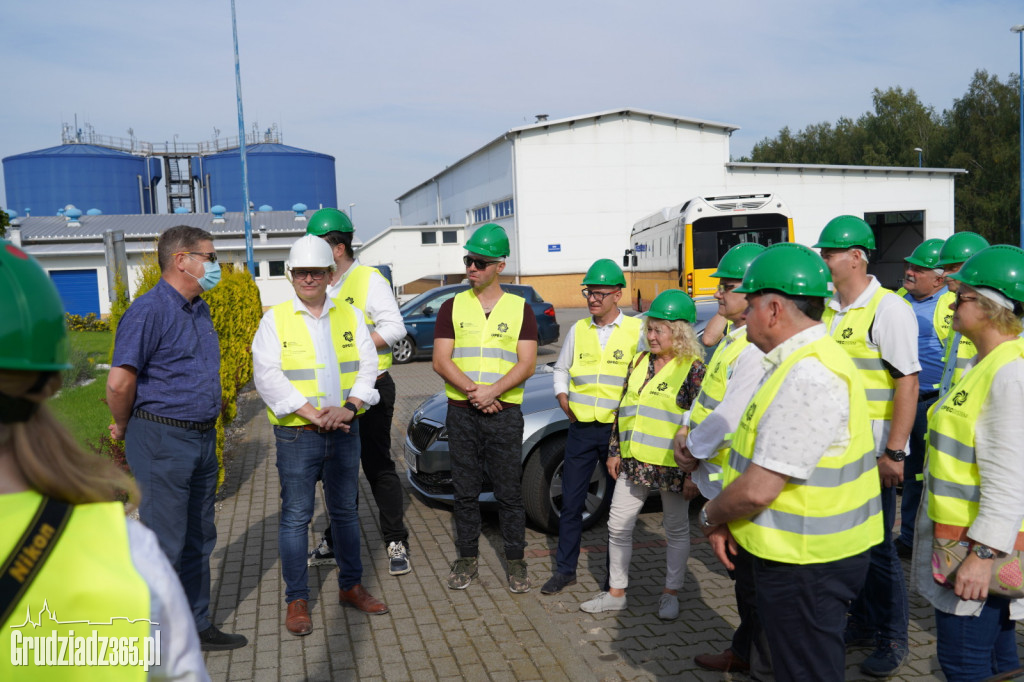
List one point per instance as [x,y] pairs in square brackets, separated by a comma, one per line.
[983,552]
[703,518]
[896,455]
[349,406]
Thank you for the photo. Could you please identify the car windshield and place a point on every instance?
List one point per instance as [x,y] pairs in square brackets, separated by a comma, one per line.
[415,303]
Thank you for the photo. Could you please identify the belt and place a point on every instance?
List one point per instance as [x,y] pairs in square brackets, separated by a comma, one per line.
[925,397]
[167,421]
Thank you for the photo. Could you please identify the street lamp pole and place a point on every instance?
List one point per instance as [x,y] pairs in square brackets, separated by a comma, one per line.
[919,158]
[1019,30]
[247,218]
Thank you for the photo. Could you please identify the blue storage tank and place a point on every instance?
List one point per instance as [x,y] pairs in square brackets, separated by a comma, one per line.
[83,175]
[279,175]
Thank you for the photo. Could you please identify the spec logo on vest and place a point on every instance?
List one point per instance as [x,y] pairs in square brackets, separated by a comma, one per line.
[617,354]
[502,327]
[348,336]
[848,332]
[960,398]
[350,300]
[750,412]
[662,386]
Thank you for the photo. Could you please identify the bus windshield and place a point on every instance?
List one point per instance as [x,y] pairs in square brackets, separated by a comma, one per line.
[714,235]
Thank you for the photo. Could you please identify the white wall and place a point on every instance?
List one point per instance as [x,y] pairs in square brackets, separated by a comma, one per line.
[583,186]
[401,247]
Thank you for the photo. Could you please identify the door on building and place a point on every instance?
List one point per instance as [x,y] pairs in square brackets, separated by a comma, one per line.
[897,234]
[79,290]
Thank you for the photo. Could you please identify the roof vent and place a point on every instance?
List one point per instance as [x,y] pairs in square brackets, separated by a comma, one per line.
[94,211]
[266,208]
[300,211]
[60,212]
[181,209]
[73,215]
[218,213]
[28,212]
[541,117]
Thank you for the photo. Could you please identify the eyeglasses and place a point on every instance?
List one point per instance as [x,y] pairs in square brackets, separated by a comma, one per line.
[960,298]
[315,275]
[726,288]
[209,255]
[478,263]
[599,296]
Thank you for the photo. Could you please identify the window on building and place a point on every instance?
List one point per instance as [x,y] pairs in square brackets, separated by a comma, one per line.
[428,237]
[449,237]
[503,208]
[482,214]
[277,268]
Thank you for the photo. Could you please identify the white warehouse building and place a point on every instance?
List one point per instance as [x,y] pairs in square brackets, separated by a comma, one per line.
[569,191]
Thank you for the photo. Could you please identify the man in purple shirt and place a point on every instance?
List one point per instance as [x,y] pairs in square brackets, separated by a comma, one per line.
[164,393]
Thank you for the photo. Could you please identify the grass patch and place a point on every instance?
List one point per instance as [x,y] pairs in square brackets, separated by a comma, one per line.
[82,409]
[96,345]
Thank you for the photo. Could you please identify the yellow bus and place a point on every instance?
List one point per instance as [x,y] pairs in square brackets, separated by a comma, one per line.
[680,246]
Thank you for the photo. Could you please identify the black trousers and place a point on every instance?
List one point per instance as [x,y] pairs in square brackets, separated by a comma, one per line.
[378,467]
[478,441]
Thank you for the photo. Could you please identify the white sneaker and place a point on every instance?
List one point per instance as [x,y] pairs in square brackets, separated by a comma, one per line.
[668,606]
[604,602]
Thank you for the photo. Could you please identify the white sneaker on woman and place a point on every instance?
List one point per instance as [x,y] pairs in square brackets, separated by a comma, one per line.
[604,602]
[668,606]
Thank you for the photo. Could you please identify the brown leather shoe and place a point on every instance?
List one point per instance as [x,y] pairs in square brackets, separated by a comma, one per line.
[362,600]
[726,662]
[297,621]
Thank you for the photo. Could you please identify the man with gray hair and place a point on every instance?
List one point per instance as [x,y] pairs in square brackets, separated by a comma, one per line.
[164,393]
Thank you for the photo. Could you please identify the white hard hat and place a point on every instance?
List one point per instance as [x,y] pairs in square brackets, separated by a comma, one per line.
[310,252]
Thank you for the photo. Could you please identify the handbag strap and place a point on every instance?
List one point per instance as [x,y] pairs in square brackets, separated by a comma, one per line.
[30,552]
[945,531]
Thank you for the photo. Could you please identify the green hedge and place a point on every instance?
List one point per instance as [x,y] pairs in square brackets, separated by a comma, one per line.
[236,310]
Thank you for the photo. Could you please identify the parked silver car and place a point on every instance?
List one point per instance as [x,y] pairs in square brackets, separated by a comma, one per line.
[545,426]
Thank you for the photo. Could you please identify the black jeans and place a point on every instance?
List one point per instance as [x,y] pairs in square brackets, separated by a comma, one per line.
[378,467]
[478,441]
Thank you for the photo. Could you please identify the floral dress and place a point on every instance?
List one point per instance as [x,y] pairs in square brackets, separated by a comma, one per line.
[653,475]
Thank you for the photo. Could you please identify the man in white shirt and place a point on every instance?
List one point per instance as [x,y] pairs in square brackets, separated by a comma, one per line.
[365,288]
[878,329]
[314,366]
[734,373]
[589,374]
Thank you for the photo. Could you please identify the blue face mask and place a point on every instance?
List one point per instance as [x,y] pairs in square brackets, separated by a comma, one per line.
[211,275]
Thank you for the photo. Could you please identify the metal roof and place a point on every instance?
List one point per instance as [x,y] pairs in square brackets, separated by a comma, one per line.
[72,150]
[911,170]
[44,229]
[627,113]
[271,149]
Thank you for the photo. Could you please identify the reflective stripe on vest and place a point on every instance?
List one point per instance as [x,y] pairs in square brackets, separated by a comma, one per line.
[834,513]
[851,333]
[355,290]
[298,356]
[485,345]
[712,391]
[596,375]
[649,417]
[88,580]
[953,480]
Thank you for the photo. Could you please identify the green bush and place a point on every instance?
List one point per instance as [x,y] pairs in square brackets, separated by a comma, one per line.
[87,323]
[83,368]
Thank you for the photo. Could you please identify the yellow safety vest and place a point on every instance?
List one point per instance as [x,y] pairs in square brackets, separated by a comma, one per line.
[957,350]
[485,345]
[954,482]
[354,290]
[88,583]
[649,417]
[837,511]
[298,356]
[852,334]
[596,375]
[942,318]
[712,391]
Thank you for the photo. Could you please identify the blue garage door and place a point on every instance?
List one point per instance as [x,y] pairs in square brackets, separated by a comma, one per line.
[79,290]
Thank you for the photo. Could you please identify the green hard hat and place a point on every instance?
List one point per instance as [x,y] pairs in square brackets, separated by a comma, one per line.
[489,240]
[605,272]
[845,232]
[33,334]
[736,260]
[790,268]
[926,255]
[328,220]
[960,247]
[999,267]
[673,304]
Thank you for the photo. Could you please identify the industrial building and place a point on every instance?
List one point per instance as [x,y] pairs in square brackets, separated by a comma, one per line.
[569,191]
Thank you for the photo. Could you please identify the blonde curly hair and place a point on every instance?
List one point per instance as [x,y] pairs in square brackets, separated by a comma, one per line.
[684,339]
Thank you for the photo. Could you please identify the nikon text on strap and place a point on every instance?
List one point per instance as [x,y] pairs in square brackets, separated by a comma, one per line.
[30,552]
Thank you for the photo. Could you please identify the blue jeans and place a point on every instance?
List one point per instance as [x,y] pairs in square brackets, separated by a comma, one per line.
[176,471]
[881,605]
[977,647]
[303,457]
[586,446]
[912,467]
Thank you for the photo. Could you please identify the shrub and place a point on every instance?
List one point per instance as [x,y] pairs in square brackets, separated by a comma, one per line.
[87,323]
[82,368]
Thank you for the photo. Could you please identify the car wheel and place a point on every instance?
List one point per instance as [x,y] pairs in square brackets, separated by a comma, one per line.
[542,487]
[403,350]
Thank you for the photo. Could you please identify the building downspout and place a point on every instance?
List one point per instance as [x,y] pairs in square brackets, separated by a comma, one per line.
[142,197]
[515,209]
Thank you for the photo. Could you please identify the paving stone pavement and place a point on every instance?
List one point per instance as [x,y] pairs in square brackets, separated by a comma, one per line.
[484,632]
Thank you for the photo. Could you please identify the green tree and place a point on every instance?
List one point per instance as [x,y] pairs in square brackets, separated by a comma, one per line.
[4,222]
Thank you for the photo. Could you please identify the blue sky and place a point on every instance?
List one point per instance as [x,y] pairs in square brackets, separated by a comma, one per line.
[397,90]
